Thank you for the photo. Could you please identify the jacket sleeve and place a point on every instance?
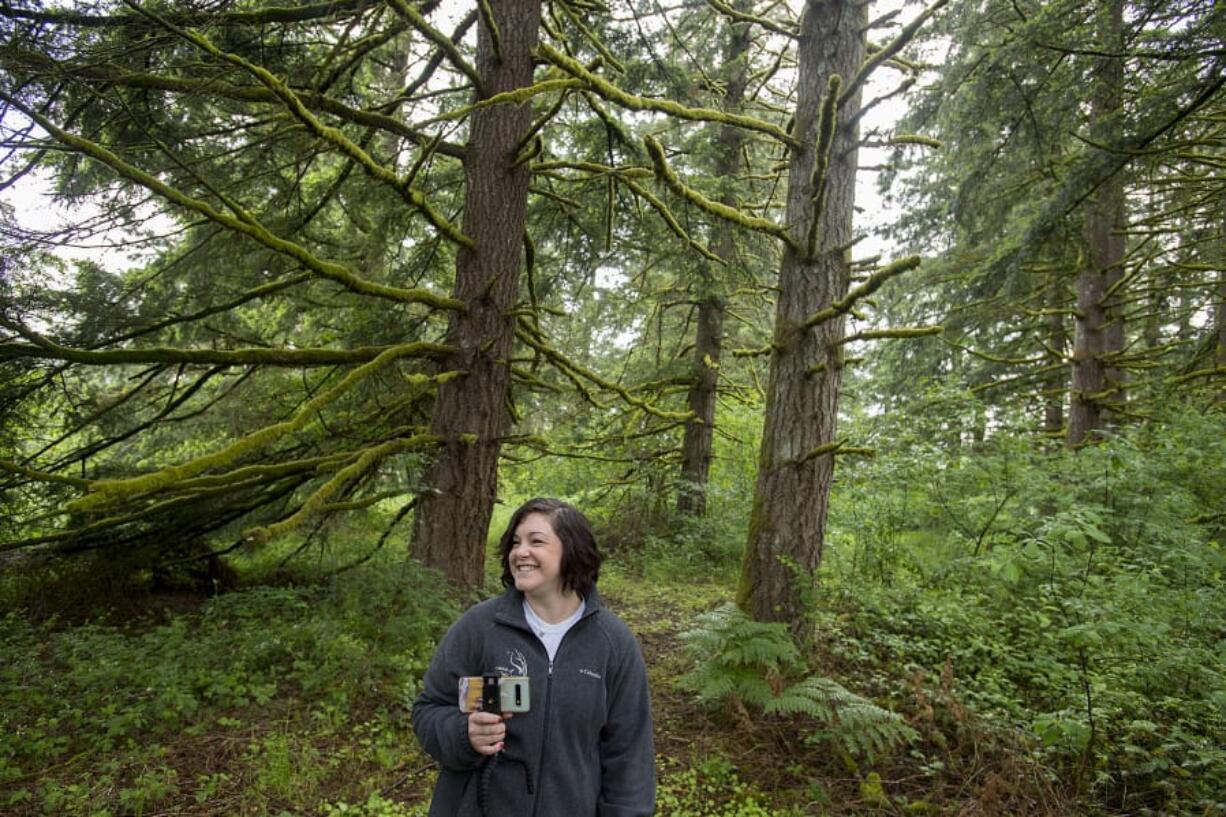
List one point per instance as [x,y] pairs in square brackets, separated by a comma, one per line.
[627,748]
[441,728]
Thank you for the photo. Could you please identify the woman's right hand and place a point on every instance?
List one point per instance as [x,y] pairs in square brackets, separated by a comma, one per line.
[487,732]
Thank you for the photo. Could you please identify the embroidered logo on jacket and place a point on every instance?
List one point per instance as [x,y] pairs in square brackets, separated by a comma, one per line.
[590,673]
[517,664]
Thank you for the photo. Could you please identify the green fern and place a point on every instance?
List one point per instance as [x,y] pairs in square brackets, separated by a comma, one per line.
[735,659]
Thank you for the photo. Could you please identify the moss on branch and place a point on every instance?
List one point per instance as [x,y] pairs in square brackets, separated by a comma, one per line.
[103,492]
[916,139]
[715,208]
[762,22]
[896,333]
[302,358]
[247,226]
[889,50]
[317,502]
[566,365]
[827,123]
[864,290]
[612,93]
[440,40]
[41,476]
[671,220]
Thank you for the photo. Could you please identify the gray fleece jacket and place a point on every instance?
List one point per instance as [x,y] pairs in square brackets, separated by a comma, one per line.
[584,750]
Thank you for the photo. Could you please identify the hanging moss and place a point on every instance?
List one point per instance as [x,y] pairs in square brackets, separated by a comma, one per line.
[612,124]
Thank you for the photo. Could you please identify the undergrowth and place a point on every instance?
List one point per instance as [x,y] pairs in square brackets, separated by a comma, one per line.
[232,702]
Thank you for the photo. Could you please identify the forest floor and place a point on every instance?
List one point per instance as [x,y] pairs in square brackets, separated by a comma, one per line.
[290,755]
[729,763]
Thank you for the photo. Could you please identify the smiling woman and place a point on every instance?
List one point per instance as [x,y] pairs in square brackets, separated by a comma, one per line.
[584,747]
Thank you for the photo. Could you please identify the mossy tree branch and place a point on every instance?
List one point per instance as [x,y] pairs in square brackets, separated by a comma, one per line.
[318,501]
[614,94]
[890,50]
[440,40]
[334,136]
[302,358]
[715,208]
[753,19]
[576,370]
[896,333]
[103,492]
[864,290]
[246,225]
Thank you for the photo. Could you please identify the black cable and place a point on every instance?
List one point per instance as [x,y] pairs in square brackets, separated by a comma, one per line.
[487,772]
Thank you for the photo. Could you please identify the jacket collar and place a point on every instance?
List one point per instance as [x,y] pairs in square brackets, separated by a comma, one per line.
[510,608]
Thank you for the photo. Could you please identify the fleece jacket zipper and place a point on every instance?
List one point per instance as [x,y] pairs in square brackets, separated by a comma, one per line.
[540,759]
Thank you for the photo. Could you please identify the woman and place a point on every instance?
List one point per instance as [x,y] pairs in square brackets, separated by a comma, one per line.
[584,747]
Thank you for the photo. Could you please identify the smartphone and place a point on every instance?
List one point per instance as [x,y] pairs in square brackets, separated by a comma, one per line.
[494,693]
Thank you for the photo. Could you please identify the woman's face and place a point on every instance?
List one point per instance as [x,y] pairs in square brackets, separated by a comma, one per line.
[535,558]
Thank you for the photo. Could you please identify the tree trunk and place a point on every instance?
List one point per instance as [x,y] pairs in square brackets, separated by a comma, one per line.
[1220,317]
[471,411]
[708,343]
[699,431]
[1097,382]
[1057,339]
[787,524]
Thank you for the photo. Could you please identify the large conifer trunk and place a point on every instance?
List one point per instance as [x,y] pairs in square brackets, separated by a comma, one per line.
[787,525]
[1057,339]
[1097,381]
[471,411]
[1220,315]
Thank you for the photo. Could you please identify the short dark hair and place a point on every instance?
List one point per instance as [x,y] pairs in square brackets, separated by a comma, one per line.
[580,558]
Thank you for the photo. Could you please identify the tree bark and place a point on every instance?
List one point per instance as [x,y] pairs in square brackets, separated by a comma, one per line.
[699,430]
[787,523]
[470,413]
[708,342]
[1097,382]
[1219,357]
[1057,339]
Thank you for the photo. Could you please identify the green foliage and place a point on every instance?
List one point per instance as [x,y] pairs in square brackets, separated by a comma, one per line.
[745,661]
[710,788]
[97,690]
[1076,597]
[375,806]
